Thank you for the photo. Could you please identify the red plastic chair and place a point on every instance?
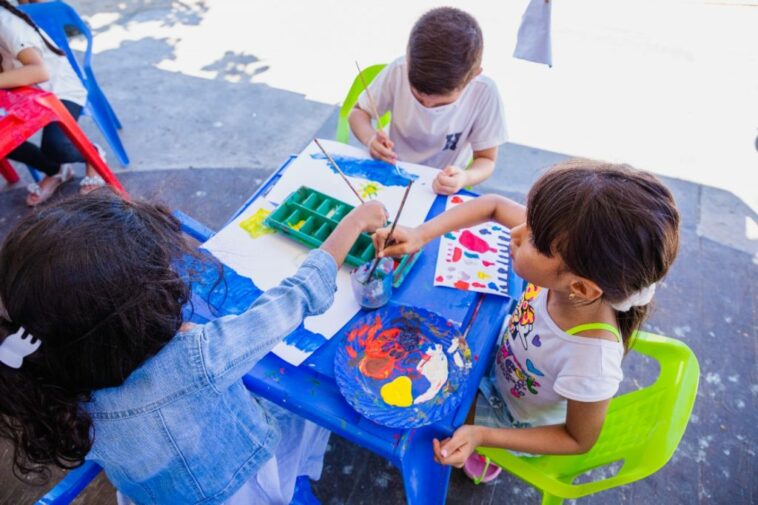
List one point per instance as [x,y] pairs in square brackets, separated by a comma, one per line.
[24,111]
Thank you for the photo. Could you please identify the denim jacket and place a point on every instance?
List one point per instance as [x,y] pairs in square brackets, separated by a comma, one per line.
[182,428]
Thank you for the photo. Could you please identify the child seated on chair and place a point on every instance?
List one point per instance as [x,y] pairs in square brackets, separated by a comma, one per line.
[443,109]
[29,58]
[98,364]
[592,242]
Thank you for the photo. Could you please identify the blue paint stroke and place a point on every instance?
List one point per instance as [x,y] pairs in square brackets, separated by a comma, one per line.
[485,231]
[223,290]
[470,255]
[450,236]
[305,340]
[492,285]
[374,170]
[502,271]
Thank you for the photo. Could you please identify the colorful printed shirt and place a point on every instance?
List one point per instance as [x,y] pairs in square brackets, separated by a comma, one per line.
[539,366]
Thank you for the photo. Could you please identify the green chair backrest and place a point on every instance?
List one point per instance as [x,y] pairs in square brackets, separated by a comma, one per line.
[343,128]
[642,429]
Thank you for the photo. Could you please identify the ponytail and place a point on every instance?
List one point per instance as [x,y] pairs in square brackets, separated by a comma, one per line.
[21,14]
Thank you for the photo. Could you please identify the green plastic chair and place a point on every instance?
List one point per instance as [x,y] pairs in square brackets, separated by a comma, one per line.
[642,430]
[343,127]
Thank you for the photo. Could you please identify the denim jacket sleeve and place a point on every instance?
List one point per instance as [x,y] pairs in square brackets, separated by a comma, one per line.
[231,345]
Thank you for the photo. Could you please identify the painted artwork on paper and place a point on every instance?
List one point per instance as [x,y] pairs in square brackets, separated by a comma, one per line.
[402,366]
[373,179]
[476,258]
[258,253]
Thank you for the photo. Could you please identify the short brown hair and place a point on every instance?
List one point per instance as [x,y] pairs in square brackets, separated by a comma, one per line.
[444,51]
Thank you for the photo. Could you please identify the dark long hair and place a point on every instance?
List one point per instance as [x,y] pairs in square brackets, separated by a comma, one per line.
[612,224]
[8,6]
[92,278]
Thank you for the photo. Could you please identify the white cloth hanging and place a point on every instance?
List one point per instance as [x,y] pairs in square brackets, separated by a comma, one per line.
[533,43]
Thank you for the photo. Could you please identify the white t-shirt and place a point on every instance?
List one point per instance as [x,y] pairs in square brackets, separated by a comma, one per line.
[16,35]
[539,366]
[438,136]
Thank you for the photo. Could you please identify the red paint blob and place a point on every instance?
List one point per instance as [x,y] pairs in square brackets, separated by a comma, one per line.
[478,285]
[456,199]
[457,253]
[473,243]
[461,285]
[440,278]
[487,263]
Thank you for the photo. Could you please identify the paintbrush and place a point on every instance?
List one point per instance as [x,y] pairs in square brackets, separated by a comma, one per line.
[462,341]
[337,168]
[370,98]
[387,241]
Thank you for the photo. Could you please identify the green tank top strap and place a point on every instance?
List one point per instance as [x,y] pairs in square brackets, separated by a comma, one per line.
[596,326]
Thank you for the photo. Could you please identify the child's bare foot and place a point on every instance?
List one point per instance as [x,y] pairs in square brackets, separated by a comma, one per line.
[42,191]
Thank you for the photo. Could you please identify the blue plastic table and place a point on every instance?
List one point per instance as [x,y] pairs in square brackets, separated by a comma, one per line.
[311,391]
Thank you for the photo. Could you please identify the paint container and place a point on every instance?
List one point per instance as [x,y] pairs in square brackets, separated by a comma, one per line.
[378,291]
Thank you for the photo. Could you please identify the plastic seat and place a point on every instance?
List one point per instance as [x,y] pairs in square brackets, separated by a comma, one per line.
[343,127]
[641,431]
[53,17]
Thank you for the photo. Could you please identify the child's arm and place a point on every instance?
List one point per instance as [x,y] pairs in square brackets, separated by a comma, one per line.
[34,70]
[578,435]
[230,346]
[452,179]
[485,208]
[378,143]
[368,216]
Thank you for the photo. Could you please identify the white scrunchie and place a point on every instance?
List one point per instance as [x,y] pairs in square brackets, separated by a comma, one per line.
[636,299]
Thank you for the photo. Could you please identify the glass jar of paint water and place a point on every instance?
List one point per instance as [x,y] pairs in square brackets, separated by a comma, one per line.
[377,291]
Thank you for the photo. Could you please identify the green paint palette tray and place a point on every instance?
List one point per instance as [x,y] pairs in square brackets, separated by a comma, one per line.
[310,216]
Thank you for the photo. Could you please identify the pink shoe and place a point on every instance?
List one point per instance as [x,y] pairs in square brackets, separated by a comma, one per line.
[480,469]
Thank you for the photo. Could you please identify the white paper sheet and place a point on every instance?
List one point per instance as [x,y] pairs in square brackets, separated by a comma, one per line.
[267,258]
[476,258]
[534,42]
[379,180]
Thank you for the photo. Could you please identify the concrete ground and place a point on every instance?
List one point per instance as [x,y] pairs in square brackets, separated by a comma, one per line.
[213,102]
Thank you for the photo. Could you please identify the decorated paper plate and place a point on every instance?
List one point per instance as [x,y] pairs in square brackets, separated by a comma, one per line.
[402,366]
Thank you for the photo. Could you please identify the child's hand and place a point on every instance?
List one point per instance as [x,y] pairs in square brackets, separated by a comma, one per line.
[404,241]
[450,180]
[456,450]
[380,147]
[369,216]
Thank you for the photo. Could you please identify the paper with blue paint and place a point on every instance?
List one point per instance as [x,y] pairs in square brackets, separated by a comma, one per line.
[266,258]
[373,179]
[475,258]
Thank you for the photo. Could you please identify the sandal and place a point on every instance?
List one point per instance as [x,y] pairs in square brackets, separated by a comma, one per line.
[42,195]
[91,182]
[480,469]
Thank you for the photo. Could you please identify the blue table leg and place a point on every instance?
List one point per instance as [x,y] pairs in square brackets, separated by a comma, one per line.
[425,481]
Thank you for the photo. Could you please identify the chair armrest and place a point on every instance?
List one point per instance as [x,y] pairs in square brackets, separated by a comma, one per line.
[72,484]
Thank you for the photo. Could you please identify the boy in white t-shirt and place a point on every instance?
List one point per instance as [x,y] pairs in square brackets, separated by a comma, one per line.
[444,112]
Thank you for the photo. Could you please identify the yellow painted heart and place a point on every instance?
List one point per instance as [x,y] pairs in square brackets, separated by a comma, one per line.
[397,392]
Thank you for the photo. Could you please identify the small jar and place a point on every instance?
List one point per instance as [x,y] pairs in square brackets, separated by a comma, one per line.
[378,290]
